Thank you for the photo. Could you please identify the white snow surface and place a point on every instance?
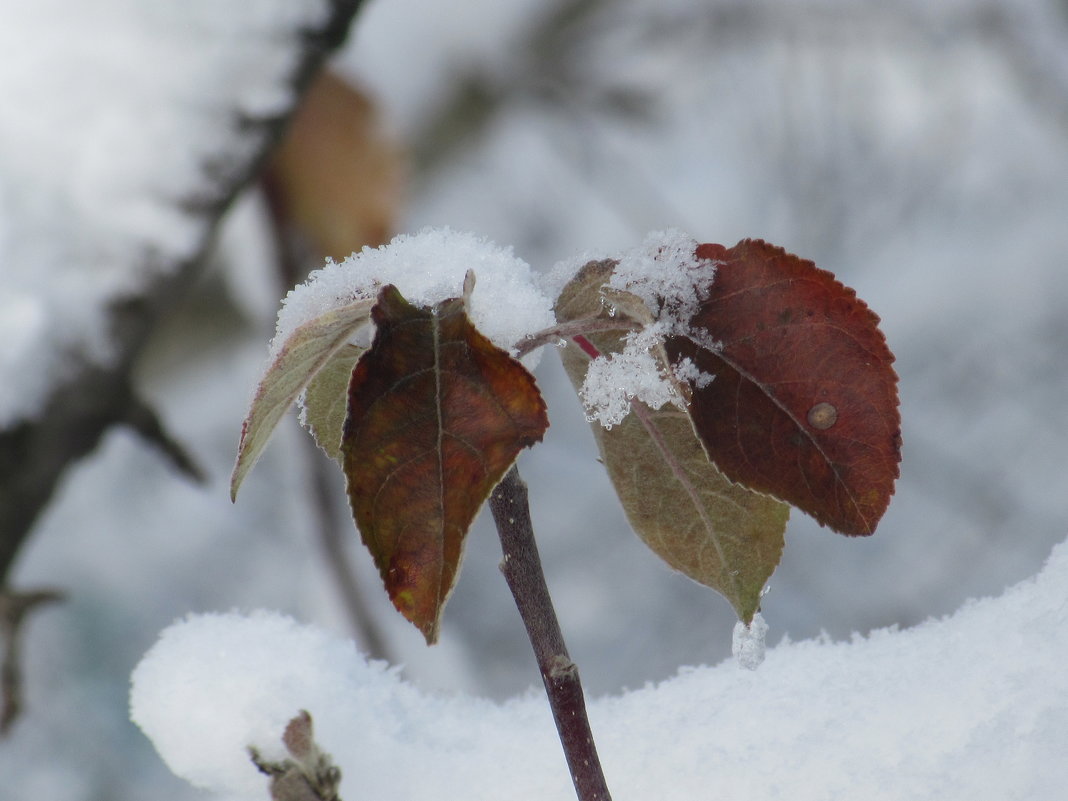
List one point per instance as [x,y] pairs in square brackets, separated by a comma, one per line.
[970,706]
[429,267]
[114,110]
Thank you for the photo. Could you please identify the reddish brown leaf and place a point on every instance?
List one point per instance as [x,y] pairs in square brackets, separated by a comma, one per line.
[804,402]
[437,414]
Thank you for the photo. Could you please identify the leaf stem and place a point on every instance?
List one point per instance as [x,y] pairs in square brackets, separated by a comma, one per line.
[522,570]
[574,329]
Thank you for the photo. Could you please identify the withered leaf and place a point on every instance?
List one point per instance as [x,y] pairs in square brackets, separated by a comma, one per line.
[437,414]
[804,401]
[335,175]
[716,532]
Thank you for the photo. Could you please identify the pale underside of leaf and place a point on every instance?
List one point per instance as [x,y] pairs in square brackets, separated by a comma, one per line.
[325,401]
[303,354]
[718,533]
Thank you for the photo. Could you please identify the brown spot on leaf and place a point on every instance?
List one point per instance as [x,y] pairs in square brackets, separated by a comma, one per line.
[822,416]
[752,419]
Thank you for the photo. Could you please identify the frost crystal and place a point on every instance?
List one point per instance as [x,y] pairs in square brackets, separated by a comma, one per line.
[667,276]
[686,370]
[665,273]
[613,380]
[747,645]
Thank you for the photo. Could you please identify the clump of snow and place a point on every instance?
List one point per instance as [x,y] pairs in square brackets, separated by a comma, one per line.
[748,642]
[614,379]
[553,282]
[671,281]
[665,272]
[970,706]
[686,370]
[429,267]
[214,684]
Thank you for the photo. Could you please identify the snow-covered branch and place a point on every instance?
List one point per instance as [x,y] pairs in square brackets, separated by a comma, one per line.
[124,207]
[123,159]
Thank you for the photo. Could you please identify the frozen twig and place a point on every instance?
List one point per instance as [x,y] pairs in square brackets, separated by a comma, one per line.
[89,399]
[561,332]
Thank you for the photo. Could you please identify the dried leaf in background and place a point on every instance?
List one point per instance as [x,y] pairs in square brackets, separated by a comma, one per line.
[336,177]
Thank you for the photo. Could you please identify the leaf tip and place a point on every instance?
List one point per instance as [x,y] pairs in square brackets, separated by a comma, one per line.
[236,477]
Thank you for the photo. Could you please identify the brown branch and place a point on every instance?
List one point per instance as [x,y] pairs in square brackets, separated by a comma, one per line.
[13,611]
[90,399]
[522,570]
[35,453]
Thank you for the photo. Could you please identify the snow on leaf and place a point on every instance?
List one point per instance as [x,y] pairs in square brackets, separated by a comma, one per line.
[804,402]
[437,415]
[666,274]
[716,532]
[301,354]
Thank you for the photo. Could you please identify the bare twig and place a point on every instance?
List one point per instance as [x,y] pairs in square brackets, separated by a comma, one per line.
[309,775]
[90,398]
[143,419]
[522,570]
[14,607]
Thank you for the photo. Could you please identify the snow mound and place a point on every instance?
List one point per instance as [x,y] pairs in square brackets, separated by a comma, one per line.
[970,706]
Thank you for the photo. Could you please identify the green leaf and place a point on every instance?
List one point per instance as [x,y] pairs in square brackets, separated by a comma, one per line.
[303,354]
[718,533]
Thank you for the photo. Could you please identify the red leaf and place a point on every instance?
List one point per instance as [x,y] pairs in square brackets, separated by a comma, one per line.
[804,402]
[437,415]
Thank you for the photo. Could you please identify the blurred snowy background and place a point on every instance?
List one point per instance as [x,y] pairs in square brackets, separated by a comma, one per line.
[919,151]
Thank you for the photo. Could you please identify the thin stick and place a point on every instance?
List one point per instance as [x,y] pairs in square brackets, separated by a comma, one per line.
[14,607]
[522,570]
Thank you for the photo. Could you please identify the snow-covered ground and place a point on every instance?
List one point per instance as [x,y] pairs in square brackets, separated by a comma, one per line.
[920,168]
[896,715]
